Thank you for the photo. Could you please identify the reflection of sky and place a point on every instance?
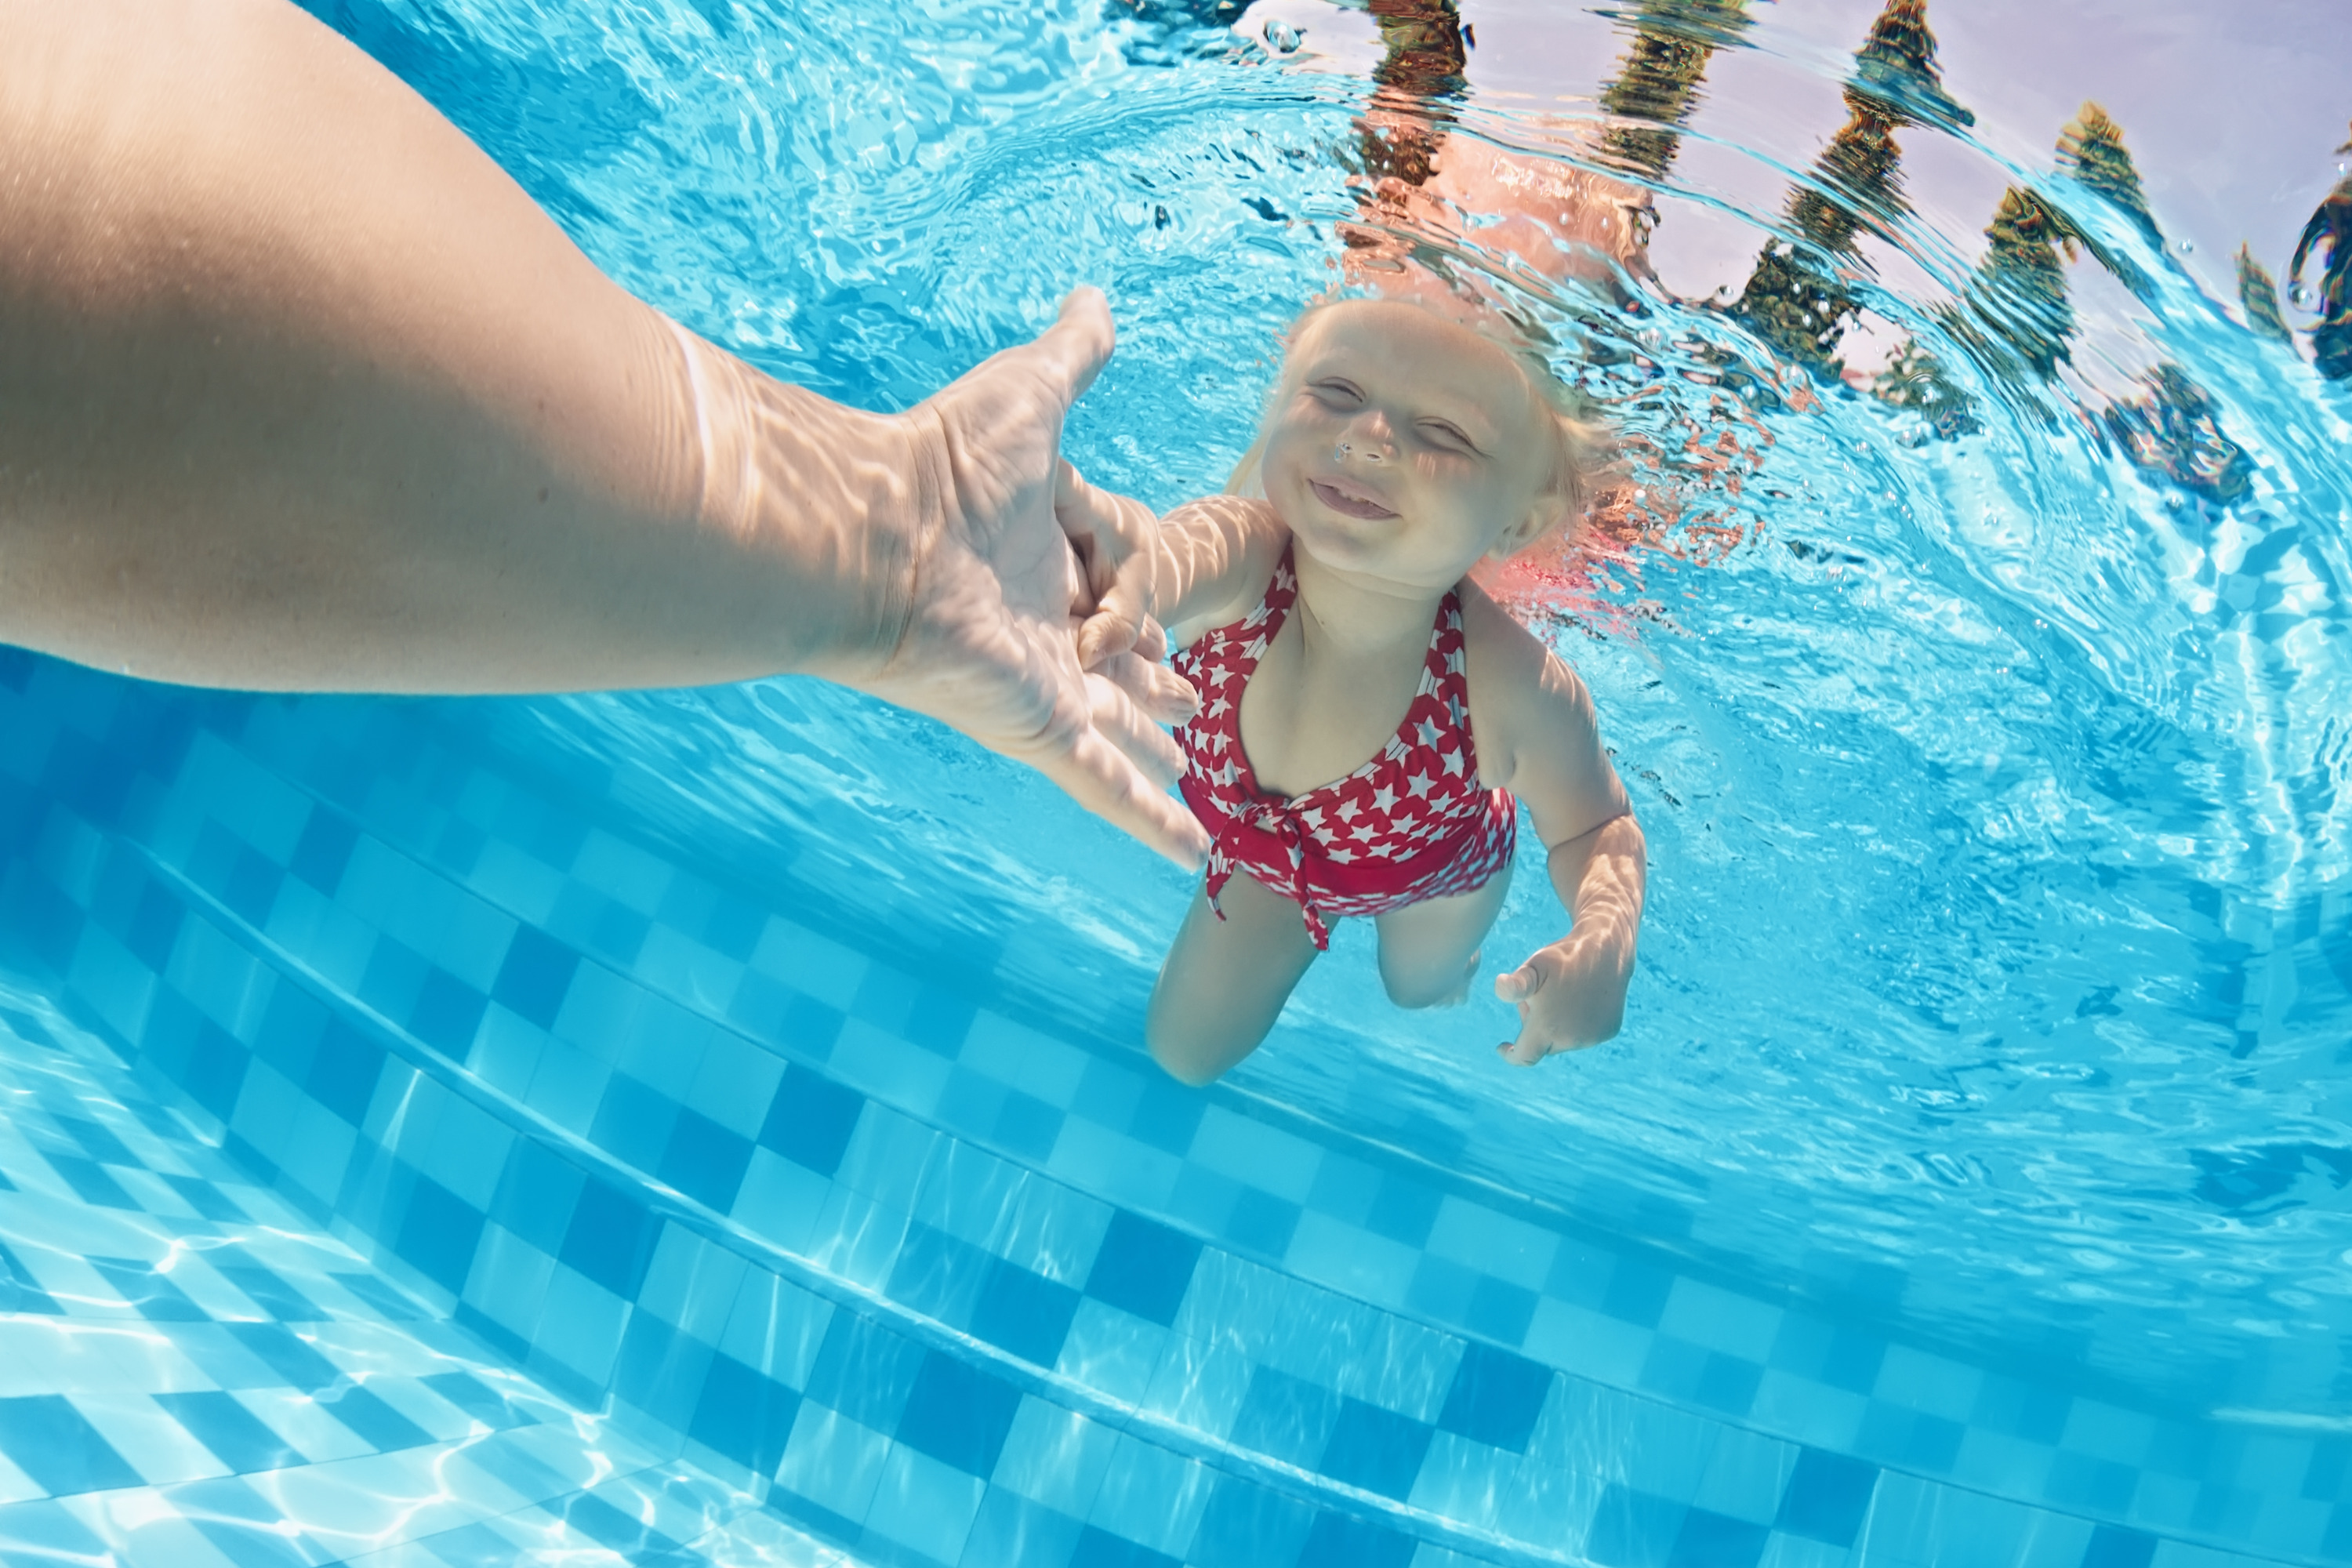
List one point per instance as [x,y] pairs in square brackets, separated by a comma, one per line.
[2232,110]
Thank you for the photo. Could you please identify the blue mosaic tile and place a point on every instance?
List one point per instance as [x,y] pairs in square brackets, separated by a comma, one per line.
[1143,1267]
[958,1413]
[48,1439]
[1828,1496]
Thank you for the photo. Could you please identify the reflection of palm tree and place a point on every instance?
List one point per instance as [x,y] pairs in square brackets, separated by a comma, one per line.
[2018,292]
[2258,292]
[1421,74]
[1795,299]
[2330,229]
[2090,150]
[1659,83]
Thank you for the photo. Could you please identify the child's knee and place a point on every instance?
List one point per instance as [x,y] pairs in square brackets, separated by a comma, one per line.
[1185,1051]
[1420,986]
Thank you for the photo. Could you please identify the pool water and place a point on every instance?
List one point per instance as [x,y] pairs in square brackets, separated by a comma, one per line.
[711,1126]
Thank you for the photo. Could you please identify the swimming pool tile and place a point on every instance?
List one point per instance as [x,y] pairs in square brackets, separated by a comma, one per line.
[1495,1397]
[509,1281]
[924,1505]
[781,1202]
[736,1083]
[858,1238]
[937,1275]
[1375,1451]
[1097,1159]
[704,1161]
[534,978]
[507,1052]
[1255,1154]
[580,1327]
[1023,1315]
[1336,1254]
[1747,1475]
[1150,1498]
[1691,1374]
[812,1120]
[1286,1417]
[1010,1529]
[49,1438]
[1198,1384]
[1046,1227]
[886,1066]
[691,1282]
[959,1414]
[744,1415]
[1144,1267]
[834,1461]
[1246,1525]
[2112,1546]
[231,1432]
[663,1045]
[1808,1412]
[611,1238]
[1044,1066]
[1933,1385]
[1112,1352]
[1053,1457]
[806,963]
[1587,1342]
[1828,1496]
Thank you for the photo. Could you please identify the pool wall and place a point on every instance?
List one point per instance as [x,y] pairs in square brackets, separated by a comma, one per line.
[942,1284]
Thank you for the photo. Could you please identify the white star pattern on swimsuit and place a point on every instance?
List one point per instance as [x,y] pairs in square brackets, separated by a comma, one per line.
[1411,823]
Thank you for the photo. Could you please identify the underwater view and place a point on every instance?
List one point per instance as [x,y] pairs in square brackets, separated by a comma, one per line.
[713,1125]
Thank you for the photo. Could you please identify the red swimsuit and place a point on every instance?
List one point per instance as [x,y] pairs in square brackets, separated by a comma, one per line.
[1410,825]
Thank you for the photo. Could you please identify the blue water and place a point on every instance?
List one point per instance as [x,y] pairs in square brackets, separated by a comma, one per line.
[1971,1182]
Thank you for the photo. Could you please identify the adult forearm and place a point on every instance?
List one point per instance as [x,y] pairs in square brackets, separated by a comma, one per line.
[301,391]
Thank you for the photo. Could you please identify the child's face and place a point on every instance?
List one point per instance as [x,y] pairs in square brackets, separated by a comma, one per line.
[1405,447]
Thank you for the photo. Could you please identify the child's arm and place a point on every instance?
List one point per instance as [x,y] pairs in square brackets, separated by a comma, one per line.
[1213,560]
[1571,994]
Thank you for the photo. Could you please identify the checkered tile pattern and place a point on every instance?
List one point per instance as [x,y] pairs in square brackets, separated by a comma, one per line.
[935,1284]
[192,1376]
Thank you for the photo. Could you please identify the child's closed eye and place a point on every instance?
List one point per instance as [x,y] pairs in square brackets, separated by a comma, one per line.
[1338,392]
[1449,437]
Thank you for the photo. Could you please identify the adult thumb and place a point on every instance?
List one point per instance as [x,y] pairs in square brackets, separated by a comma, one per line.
[1073,350]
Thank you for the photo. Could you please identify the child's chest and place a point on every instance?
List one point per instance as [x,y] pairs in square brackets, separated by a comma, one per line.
[1306,721]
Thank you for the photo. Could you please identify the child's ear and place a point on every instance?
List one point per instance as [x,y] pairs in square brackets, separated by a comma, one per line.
[1551,510]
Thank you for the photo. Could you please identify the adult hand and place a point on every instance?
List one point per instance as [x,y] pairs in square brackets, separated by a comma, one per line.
[1009,586]
[1571,994]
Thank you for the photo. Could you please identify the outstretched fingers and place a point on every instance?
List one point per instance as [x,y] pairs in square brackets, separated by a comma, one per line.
[1105,780]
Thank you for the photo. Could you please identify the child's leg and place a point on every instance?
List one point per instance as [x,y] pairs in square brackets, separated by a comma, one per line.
[1225,981]
[1429,951]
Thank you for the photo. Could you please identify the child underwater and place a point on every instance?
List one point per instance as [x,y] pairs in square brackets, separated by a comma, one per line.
[1369,718]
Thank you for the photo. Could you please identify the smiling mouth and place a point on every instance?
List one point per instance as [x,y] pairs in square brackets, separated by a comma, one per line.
[1348,505]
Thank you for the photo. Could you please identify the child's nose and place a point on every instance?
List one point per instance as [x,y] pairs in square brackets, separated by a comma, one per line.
[1367,438]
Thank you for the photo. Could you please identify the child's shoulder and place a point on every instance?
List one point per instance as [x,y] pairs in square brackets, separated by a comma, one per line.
[1220,551]
[1519,685]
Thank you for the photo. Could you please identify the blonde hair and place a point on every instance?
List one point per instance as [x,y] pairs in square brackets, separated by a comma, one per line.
[1582,450]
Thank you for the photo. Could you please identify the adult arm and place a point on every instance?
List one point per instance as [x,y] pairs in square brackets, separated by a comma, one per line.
[301,391]
[1572,993]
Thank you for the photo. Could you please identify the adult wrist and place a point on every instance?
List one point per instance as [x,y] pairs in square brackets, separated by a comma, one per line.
[830,512]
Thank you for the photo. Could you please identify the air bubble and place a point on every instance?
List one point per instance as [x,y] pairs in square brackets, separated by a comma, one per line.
[2300,295]
[1282,36]
[2186,247]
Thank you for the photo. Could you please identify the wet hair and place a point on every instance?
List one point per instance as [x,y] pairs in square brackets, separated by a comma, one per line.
[1582,452]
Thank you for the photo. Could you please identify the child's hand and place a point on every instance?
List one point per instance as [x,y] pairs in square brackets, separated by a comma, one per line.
[1571,994]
